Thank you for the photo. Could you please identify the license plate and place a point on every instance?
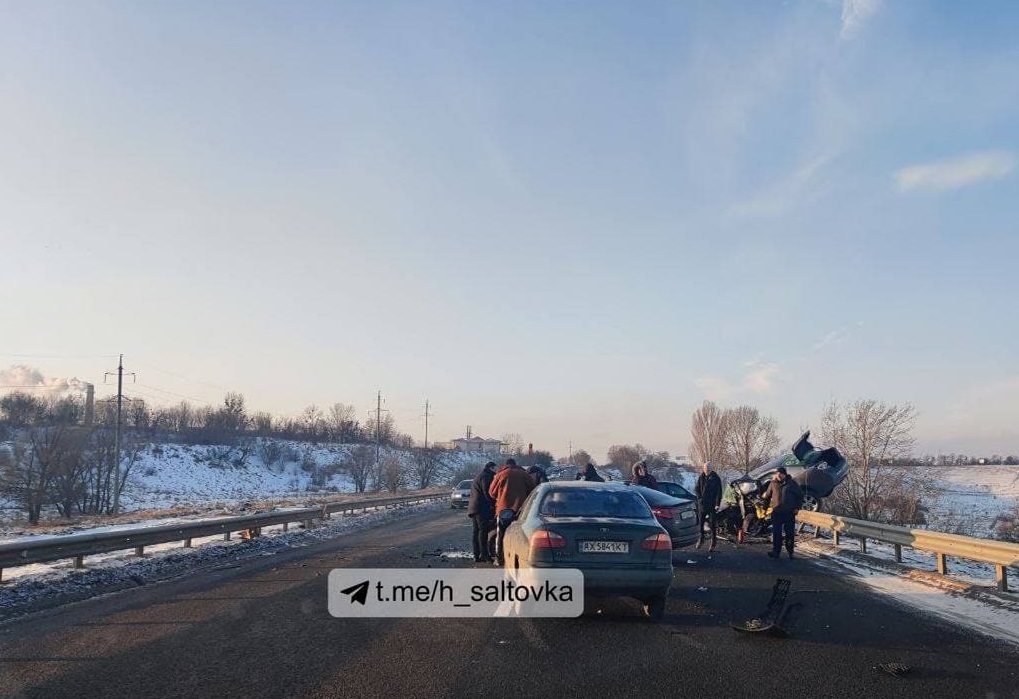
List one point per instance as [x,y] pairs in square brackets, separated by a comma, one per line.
[605,547]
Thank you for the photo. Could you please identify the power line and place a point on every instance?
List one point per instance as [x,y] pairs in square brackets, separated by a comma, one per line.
[172,393]
[181,377]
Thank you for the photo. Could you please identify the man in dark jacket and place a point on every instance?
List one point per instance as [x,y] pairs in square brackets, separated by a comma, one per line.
[642,477]
[709,497]
[786,498]
[589,474]
[481,510]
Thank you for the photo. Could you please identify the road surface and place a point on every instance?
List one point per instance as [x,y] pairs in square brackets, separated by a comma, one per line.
[261,629]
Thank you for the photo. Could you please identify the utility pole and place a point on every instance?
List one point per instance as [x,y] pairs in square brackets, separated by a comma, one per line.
[426,423]
[120,406]
[571,452]
[378,427]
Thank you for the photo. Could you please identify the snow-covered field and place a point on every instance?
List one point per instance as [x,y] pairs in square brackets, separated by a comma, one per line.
[972,498]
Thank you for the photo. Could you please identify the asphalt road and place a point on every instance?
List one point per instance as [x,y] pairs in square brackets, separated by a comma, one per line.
[261,629]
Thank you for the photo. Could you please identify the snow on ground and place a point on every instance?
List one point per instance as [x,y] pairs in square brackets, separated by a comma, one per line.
[998,619]
[28,584]
[972,498]
[169,476]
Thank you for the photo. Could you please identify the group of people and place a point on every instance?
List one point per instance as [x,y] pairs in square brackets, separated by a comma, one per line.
[496,497]
[498,494]
[784,496]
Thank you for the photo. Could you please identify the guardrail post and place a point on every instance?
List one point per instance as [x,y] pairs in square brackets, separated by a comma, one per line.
[898,553]
[835,537]
[307,524]
[942,560]
[187,543]
[226,536]
[286,526]
[863,544]
[79,561]
[1001,577]
[139,550]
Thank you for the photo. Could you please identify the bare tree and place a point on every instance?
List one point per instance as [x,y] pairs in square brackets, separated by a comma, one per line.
[426,467]
[624,456]
[752,437]
[709,434]
[581,458]
[359,467]
[514,442]
[343,424]
[391,473]
[874,437]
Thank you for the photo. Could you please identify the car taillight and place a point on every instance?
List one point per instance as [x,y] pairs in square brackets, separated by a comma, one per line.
[657,542]
[664,512]
[544,539]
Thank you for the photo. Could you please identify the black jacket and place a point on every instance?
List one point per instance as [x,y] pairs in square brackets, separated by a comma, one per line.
[480,503]
[647,480]
[589,474]
[537,473]
[709,490]
[785,496]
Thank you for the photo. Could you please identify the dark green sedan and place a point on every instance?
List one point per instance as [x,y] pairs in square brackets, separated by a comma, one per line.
[606,530]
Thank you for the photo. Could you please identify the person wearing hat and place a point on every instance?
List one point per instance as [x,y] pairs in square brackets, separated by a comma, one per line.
[785,497]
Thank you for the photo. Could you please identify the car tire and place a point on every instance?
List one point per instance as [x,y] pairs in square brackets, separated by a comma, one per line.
[654,608]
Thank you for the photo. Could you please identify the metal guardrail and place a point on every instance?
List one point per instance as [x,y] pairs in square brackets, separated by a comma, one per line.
[1001,554]
[44,549]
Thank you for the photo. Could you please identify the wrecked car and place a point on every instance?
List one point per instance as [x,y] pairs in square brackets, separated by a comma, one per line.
[818,471]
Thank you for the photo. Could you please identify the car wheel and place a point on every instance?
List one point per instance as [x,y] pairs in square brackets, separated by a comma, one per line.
[811,504]
[654,608]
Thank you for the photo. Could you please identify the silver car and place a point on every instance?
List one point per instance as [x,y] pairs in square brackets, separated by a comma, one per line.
[461,495]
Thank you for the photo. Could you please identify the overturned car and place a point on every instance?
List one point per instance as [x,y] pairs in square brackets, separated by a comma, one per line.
[818,472]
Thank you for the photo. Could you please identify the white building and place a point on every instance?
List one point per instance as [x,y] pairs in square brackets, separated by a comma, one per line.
[478,445]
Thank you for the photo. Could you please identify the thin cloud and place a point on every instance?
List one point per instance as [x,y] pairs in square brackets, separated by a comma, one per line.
[955,173]
[856,13]
[779,197]
[758,377]
[833,337]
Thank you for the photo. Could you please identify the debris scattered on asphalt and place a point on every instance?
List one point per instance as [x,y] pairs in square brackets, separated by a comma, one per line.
[691,562]
[702,589]
[894,669]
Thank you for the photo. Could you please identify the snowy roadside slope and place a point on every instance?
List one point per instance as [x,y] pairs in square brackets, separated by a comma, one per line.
[171,475]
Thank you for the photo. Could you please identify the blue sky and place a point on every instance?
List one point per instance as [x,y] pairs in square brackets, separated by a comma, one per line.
[570,220]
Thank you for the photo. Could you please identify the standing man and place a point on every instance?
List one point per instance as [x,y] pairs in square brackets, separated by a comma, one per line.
[481,510]
[709,497]
[509,489]
[786,498]
[590,474]
[537,474]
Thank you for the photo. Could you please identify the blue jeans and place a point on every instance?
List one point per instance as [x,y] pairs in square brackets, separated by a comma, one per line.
[783,523]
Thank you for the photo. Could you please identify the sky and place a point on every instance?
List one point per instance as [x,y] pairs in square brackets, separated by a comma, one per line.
[574,221]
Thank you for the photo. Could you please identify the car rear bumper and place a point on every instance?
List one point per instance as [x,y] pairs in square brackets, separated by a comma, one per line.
[458,503]
[635,582]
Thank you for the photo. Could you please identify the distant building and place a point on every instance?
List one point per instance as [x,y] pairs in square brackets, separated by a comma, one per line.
[478,445]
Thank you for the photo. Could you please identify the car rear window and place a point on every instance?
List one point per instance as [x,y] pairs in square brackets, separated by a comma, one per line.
[464,485]
[581,502]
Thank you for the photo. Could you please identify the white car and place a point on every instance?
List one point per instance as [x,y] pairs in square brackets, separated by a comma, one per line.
[461,495]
